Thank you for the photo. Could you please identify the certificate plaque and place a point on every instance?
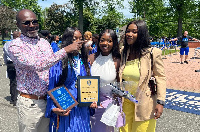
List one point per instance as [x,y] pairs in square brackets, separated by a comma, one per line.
[88,90]
[62,98]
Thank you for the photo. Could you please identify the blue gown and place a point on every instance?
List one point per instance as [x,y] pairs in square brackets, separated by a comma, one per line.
[56,70]
[79,117]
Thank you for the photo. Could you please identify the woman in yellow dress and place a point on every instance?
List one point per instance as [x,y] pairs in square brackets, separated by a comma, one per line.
[136,67]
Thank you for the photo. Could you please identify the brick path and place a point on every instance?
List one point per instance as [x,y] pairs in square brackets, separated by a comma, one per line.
[182,76]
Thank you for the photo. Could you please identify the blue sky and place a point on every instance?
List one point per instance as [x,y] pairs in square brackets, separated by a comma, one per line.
[48,3]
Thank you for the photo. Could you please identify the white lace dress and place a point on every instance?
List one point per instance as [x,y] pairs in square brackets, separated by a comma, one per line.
[104,67]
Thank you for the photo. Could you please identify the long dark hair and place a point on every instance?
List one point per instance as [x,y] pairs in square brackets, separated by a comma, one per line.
[142,42]
[67,39]
[52,38]
[115,49]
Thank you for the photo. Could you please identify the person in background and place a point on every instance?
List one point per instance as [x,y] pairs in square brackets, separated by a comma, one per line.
[95,38]
[33,57]
[54,43]
[184,45]
[121,42]
[105,63]
[46,35]
[88,38]
[136,66]
[41,36]
[55,70]
[11,72]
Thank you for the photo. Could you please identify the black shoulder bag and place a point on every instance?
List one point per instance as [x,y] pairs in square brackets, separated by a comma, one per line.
[152,80]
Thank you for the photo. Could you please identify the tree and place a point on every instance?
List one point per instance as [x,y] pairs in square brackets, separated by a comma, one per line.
[89,20]
[167,18]
[79,5]
[7,19]
[59,17]
[73,13]
[25,4]
[110,20]
[182,9]
[196,21]
[154,13]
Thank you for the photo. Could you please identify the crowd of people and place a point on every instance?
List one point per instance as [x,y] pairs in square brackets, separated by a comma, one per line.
[41,65]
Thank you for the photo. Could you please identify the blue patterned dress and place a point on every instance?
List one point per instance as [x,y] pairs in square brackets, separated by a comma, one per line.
[79,117]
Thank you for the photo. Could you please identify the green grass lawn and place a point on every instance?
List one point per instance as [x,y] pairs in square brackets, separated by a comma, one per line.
[171,51]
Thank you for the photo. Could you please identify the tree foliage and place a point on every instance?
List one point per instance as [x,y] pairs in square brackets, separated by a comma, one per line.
[153,12]
[89,20]
[59,17]
[25,4]
[79,6]
[7,19]
[167,18]
[163,17]
[182,10]
[111,18]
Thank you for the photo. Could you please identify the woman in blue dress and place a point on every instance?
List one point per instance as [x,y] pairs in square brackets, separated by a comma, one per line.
[76,64]
[95,38]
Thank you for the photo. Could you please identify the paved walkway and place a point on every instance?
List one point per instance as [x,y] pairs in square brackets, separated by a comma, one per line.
[182,76]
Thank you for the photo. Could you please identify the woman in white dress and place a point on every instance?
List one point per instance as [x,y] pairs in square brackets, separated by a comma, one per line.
[104,63]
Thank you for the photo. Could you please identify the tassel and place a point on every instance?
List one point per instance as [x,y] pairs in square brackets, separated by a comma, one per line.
[57,122]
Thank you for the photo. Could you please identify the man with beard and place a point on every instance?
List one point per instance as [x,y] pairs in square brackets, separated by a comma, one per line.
[33,57]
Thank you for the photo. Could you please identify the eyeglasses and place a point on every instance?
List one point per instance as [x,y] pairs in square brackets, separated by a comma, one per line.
[34,22]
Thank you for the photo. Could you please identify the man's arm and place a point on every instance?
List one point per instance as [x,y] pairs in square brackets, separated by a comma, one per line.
[175,39]
[194,39]
[33,59]
[40,58]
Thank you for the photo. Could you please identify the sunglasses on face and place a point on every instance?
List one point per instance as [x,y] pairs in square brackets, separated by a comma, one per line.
[34,22]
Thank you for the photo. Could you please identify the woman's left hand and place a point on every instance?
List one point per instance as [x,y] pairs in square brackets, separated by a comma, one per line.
[158,111]
[93,105]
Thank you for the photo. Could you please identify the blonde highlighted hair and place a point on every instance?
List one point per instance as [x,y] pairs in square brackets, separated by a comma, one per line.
[87,35]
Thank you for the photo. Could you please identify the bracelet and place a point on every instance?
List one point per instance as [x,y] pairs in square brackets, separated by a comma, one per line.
[161,102]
